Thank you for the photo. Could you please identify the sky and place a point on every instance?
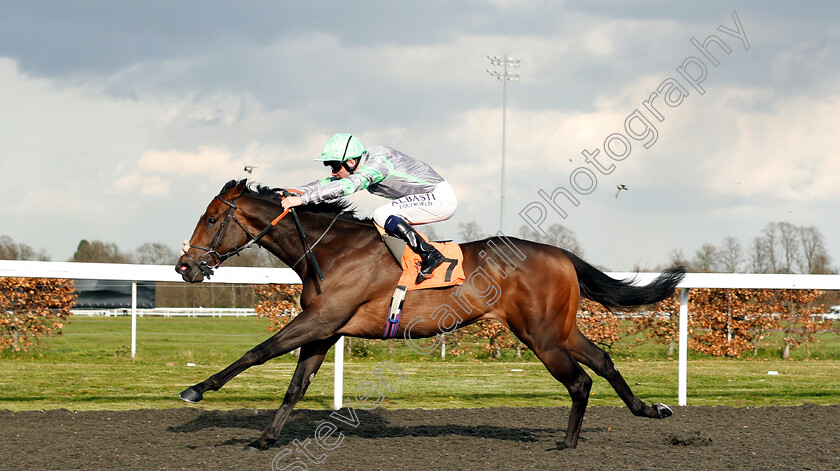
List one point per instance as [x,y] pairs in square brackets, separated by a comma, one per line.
[119,121]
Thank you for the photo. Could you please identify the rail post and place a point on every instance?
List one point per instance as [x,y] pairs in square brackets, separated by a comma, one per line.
[338,392]
[682,383]
[133,319]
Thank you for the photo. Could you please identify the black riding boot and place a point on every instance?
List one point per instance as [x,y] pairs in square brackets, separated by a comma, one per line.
[430,255]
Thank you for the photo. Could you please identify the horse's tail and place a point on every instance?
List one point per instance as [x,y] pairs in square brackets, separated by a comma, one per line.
[612,293]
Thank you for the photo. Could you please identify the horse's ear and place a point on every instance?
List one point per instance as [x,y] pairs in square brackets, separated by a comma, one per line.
[228,186]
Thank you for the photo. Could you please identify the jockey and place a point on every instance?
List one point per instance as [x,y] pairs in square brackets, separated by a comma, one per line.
[419,194]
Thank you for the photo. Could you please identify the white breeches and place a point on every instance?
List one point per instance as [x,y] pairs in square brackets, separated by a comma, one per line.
[424,208]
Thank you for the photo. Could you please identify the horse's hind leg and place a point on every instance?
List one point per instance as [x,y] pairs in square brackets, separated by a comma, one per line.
[590,355]
[311,357]
[562,365]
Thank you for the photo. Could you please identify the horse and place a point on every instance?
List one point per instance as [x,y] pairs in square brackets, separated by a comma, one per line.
[349,276]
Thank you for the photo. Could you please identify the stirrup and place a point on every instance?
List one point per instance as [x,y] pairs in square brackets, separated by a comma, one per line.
[425,275]
[420,275]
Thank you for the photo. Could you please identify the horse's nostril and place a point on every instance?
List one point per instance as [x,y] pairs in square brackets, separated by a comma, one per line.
[183,267]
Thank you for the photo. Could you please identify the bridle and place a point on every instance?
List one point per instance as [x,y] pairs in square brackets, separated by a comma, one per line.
[211,253]
[212,258]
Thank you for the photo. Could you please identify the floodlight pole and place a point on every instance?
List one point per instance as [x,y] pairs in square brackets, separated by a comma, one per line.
[505,77]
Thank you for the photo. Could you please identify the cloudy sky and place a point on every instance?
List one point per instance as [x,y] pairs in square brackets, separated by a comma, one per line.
[120,120]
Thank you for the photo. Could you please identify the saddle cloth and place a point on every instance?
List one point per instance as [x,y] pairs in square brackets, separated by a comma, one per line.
[448,273]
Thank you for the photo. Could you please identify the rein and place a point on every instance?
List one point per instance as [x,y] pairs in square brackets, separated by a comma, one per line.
[212,253]
[317,241]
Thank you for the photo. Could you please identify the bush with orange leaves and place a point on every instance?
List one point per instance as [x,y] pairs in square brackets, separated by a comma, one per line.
[726,322]
[797,308]
[498,337]
[599,324]
[280,303]
[661,323]
[31,308]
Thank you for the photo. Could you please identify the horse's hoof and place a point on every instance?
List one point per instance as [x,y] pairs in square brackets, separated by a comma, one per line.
[250,448]
[663,410]
[191,395]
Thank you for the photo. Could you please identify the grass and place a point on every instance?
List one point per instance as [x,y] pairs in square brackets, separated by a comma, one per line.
[90,368]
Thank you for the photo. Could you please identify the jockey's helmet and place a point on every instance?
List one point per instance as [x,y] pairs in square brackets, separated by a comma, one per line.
[342,147]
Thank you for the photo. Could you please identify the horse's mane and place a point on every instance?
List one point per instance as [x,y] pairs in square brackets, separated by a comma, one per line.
[344,208]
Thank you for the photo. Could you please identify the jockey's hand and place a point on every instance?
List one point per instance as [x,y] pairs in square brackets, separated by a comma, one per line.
[291,201]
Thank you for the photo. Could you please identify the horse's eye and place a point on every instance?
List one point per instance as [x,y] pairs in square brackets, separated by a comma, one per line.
[211,220]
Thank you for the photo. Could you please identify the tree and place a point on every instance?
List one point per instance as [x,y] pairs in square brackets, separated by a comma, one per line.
[99,252]
[789,241]
[783,247]
[498,337]
[556,235]
[676,257]
[31,308]
[280,303]
[470,231]
[706,259]
[815,258]
[729,255]
[429,231]
[155,253]
[599,324]
[758,255]
[662,324]
[798,324]
[9,250]
[728,319]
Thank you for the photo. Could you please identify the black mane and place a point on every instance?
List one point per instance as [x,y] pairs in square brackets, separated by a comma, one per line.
[344,208]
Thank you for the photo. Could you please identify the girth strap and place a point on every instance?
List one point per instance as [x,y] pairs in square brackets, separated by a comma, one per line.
[394,312]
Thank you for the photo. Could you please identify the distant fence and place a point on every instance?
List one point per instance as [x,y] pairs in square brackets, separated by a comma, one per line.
[170,312]
[241,275]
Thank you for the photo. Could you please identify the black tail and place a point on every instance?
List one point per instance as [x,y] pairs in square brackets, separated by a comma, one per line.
[612,293]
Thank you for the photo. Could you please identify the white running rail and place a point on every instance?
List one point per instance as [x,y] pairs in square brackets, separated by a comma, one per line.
[247,275]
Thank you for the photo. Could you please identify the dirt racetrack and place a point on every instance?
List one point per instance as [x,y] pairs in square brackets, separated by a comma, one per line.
[803,437]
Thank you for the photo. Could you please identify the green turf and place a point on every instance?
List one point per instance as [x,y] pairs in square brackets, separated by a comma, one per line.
[90,368]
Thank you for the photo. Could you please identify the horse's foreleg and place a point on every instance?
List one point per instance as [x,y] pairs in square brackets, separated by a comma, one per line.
[311,358]
[590,355]
[301,331]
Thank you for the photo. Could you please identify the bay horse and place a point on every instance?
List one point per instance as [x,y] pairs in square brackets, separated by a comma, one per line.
[529,287]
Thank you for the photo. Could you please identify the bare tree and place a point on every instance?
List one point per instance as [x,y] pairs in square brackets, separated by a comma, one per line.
[676,257]
[730,255]
[815,258]
[772,258]
[706,259]
[10,250]
[781,247]
[556,235]
[155,253]
[429,231]
[470,231]
[789,241]
[758,255]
